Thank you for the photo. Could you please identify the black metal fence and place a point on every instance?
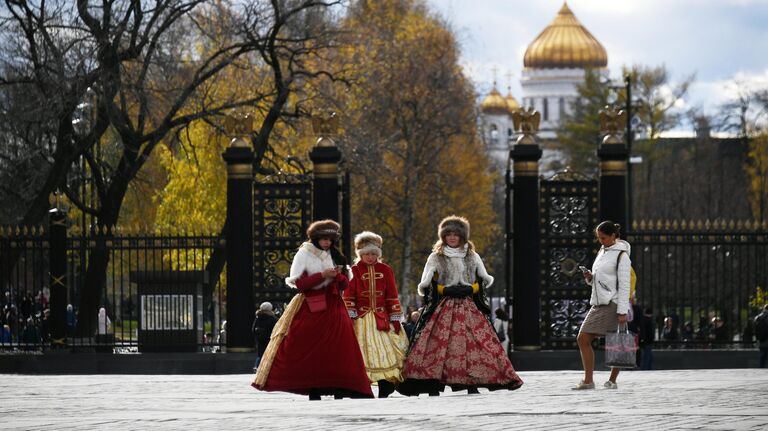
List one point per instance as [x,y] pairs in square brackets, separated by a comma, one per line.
[155,294]
[703,281]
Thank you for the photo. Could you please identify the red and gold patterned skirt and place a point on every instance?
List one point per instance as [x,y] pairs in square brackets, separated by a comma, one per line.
[458,347]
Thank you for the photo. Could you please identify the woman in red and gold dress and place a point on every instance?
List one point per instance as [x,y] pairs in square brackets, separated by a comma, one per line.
[454,343]
[313,350]
[372,302]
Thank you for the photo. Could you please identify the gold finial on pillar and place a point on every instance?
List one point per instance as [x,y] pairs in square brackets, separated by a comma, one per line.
[612,121]
[526,121]
[326,128]
[239,127]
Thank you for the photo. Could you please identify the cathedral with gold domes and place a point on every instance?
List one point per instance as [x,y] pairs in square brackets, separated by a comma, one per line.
[553,66]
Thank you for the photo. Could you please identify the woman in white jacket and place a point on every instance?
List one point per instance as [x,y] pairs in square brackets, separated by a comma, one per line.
[609,279]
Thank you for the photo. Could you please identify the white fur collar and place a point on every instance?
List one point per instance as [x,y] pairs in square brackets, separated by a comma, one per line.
[311,260]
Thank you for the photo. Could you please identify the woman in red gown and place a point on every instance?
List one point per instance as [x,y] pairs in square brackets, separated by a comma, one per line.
[454,343]
[313,350]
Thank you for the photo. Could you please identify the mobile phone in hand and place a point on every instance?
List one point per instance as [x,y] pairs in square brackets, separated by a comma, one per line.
[583,268]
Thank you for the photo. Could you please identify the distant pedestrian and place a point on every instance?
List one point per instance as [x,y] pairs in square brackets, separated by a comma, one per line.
[761,332]
[718,331]
[410,325]
[262,329]
[610,279]
[669,332]
[71,321]
[687,333]
[104,324]
[646,335]
[500,326]
[5,335]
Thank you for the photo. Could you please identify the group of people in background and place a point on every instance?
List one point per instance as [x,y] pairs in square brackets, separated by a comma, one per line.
[344,329]
[25,320]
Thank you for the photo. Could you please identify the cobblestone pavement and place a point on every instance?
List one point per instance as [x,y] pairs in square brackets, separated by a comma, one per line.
[650,400]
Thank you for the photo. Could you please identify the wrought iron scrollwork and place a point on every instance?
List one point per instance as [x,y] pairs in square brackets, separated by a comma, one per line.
[282,218]
[566,315]
[568,215]
[563,269]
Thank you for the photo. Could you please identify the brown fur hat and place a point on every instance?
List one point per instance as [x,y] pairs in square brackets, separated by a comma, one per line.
[368,242]
[453,223]
[324,228]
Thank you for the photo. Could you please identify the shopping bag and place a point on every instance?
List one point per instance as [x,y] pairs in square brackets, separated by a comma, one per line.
[620,348]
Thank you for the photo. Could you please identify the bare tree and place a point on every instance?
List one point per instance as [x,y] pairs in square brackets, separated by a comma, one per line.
[151,67]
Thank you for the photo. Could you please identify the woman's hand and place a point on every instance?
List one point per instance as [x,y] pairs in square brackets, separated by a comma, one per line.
[622,319]
[588,276]
[329,273]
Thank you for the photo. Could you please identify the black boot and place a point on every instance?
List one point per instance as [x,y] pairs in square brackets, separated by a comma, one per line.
[314,395]
[385,388]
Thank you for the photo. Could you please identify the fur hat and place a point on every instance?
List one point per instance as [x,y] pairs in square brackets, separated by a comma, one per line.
[368,242]
[456,224]
[324,228]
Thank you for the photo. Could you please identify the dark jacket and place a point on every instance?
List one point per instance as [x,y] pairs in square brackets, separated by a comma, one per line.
[262,329]
[646,330]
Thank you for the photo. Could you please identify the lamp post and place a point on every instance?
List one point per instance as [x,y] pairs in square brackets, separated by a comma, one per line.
[628,110]
[628,105]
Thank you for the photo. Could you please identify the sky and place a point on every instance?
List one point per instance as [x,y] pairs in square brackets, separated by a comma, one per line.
[722,42]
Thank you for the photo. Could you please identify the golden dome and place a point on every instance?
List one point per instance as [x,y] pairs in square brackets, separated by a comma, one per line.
[494,103]
[565,43]
[512,104]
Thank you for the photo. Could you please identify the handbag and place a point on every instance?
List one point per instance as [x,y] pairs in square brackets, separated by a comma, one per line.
[316,302]
[620,348]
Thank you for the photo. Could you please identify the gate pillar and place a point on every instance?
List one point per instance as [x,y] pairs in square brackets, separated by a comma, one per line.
[325,157]
[239,246]
[525,233]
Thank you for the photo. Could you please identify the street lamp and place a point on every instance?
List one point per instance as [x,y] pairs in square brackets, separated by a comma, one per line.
[628,105]
[83,121]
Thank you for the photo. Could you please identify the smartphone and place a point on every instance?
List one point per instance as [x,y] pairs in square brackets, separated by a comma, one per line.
[583,268]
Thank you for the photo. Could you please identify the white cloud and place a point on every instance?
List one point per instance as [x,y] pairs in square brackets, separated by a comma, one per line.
[719,40]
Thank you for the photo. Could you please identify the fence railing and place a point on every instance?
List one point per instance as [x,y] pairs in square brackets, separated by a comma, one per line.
[155,294]
[705,278]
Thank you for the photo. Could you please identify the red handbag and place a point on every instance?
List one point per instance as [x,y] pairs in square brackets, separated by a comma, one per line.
[316,302]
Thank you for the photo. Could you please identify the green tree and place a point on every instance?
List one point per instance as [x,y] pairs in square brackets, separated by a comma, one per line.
[579,135]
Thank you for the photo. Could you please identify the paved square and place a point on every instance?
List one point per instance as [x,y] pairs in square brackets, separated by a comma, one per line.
[649,400]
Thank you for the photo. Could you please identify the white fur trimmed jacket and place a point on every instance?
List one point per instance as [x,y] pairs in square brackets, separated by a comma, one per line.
[456,270]
[604,275]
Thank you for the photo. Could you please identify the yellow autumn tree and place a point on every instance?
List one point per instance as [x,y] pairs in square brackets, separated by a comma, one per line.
[757,172]
[410,133]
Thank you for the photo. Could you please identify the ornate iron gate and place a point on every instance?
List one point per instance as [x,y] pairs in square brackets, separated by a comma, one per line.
[568,209]
[282,212]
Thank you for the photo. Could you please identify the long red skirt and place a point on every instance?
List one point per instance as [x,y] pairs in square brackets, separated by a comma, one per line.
[319,352]
[458,347]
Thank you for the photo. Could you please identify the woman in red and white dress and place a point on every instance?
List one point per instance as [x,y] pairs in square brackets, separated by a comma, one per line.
[454,342]
[313,350]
